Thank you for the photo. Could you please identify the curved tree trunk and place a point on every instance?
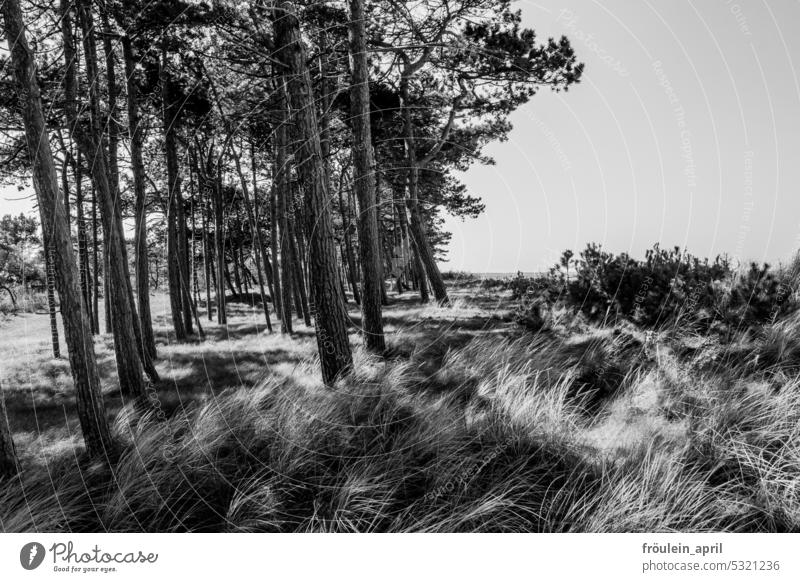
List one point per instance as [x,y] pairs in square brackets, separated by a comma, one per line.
[420,237]
[91,410]
[329,312]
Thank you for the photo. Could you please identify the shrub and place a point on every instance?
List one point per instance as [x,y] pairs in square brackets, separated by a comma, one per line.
[667,287]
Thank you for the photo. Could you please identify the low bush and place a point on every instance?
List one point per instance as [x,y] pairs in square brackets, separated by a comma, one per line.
[667,287]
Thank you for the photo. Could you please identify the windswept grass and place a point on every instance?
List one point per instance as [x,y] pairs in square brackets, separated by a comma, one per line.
[470,425]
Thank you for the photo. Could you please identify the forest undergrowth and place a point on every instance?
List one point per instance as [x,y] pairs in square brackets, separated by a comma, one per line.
[471,423]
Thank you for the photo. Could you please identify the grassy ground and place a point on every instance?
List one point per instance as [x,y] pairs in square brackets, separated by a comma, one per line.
[469,424]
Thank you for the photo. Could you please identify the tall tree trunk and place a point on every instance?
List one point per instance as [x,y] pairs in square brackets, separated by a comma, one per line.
[95,266]
[9,464]
[269,271]
[83,250]
[364,182]
[126,349]
[259,251]
[381,238]
[281,186]
[106,287]
[176,259]
[219,245]
[113,147]
[329,312]
[206,242]
[91,410]
[422,244]
[142,267]
[277,299]
[193,247]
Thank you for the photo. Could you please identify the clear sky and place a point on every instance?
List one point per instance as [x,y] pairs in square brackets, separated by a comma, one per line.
[685,130]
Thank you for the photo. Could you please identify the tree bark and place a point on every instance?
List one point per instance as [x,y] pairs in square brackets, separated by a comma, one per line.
[203,188]
[123,316]
[83,250]
[181,315]
[281,186]
[95,267]
[219,245]
[298,275]
[330,317]
[91,410]
[51,299]
[142,267]
[277,298]
[113,155]
[364,182]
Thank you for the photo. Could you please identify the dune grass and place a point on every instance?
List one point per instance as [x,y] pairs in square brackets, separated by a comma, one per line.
[469,424]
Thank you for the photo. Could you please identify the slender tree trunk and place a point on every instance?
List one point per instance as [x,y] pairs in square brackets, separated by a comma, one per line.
[106,287]
[95,267]
[277,298]
[181,314]
[258,248]
[113,155]
[236,272]
[422,244]
[91,410]
[329,312]
[123,316]
[219,243]
[193,246]
[83,250]
[142,267]
[281,186]
[269,271]
[381,238]
[51,299]
[206,262]
[364,182]
[299,276]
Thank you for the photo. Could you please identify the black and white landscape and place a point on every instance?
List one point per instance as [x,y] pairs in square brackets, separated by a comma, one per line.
[399,266]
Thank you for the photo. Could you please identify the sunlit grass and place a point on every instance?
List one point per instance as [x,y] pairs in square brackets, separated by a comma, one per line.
[470,424]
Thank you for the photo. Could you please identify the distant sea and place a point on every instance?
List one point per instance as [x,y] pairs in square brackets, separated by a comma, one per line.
[503,275]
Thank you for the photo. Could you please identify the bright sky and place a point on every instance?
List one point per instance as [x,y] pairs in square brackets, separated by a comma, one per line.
[685,130]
